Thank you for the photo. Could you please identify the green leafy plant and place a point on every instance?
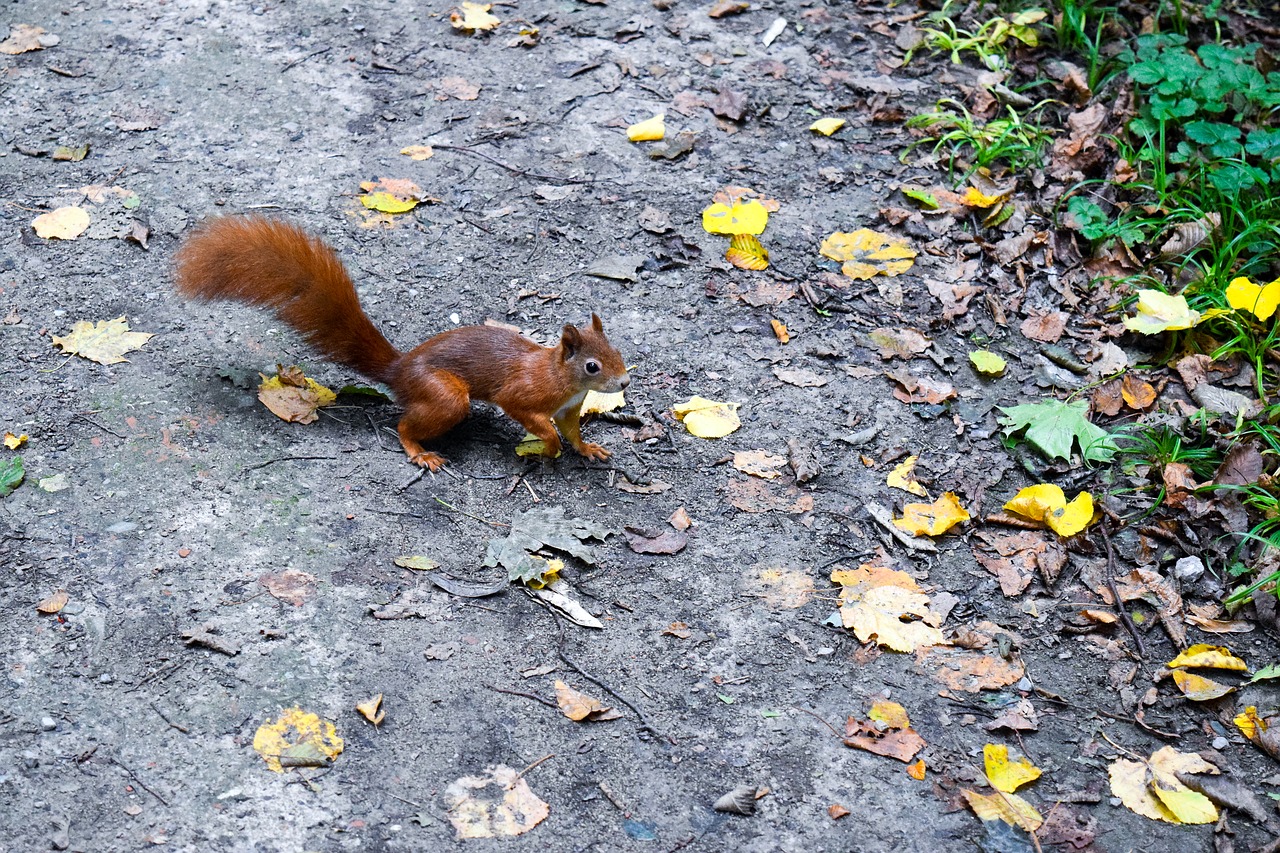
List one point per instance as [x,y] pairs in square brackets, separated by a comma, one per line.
[1052,427]
[990,42]
[1083,27]
[1012,139]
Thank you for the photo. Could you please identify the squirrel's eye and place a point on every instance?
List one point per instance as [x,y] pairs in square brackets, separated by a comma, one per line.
[593,367]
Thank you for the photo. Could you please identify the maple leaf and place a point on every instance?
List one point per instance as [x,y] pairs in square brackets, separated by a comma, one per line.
[542,527]
[1053,425]
[105,341]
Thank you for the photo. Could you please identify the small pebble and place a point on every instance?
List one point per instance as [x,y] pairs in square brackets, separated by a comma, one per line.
[48,724]
[105,678]
[1220,743]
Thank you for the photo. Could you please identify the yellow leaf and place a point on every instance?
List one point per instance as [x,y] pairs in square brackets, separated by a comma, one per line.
[299,737]
[294,398]
[65,223]
[1071,519]
[499,804]
[827,126]
[1249,723]
[1009,808]
[987,363]
[746,216]
[372,711]
[531,445]
[13,442]
[473,18]
[549,574]
[892,714]
[418,152]
[1197,688]
[596,403]
[105,341]
[1160,312]
[780,331]
[1046,502]
[385,202]
[747,253]
[1261,301]
[708,418]
[884,604]
[1151,788]
[649,130]
[1211,657]
[974,197]
[916,770]
[932,519]
[866,253]
[579,706]
[900,478]
[54,603]
[1003,774]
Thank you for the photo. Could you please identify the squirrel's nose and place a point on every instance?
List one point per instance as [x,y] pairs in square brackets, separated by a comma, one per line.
[624,381]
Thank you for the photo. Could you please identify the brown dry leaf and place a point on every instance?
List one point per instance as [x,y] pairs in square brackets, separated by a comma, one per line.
[902,744]
[65,223]
[835,811]
[800,378]
[969,671]
[728,7]
[1018,717]
[1107,398]
[1220,626]
[759,463]
[679,630]
[458,88]
[54,603]
[291,586]
[782,588]
[655,541]
[293,397]
[580,707]
[1158,591]
[729,104]
[371,710]
[24,38]
[1046,328]
[920,389]
[768,293]
[680,519]
[1018,555]
[499,804]
[105,341]
[754,496]
[1136,392]
[898,343]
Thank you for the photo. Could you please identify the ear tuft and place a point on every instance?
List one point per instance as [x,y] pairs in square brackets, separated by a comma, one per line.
[595,322]
[570,339]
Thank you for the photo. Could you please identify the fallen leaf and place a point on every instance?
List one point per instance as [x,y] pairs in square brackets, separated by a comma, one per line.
[659,541]
[1151,788]
[754,496]
[54,603]
[1260,301]
[579,706]
[800,378]
[970,671]
[1053,426]
[371,710]
[292,397]
[1161,312]
[105,341]
[418,152]
[13,442]
[900,478]
[781,588]
[539,528]
[291,586]
[65,223]
[420,564]
[747,216]
[866,253]
[916,770]
[902,744]
[705,418]
[649,130]
[474,18]
[1046,328]
[1209,657]
[728,7]
[499,804]
[390,195]
[827,126]
[1136,392]
[898,343]
[759,463]
[987,363]
[1009,808]
[888,607]
[1046,502]
[1198,688]
[297,738]
[747,253]
[1005,774]
[11,475]
[920,519]
[24,38]
[891,714]
[729,104]
[780,331]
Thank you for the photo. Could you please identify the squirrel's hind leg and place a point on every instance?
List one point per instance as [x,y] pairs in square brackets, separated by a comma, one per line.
[437,402]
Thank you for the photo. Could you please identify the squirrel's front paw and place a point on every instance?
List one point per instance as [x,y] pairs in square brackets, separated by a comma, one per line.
[431,461]
[594,451]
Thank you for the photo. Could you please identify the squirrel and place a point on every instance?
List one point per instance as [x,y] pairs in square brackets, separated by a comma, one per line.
[275,264]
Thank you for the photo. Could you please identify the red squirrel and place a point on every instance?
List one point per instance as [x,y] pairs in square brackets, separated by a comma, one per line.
[275,264]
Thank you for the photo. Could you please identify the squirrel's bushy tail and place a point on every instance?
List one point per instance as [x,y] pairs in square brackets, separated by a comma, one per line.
[277,265]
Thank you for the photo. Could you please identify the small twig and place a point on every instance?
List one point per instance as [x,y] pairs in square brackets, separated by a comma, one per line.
[415,478]
[448,505]
[91,421]
[520,775]
[834,731]
[518,171]
[287,459]
[141,784]
[645,725]
[225,603]
[303,59]
[406,802]
[172,724]
[1115,593]
[538,699]
[532,493]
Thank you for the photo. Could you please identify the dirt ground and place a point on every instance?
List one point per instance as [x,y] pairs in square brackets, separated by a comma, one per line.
[181,491]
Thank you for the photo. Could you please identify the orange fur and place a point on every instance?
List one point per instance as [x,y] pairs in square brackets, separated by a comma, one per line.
[276,265]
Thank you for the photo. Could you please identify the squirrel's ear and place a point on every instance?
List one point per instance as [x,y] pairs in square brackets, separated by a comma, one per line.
[570,339]
[595,322]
